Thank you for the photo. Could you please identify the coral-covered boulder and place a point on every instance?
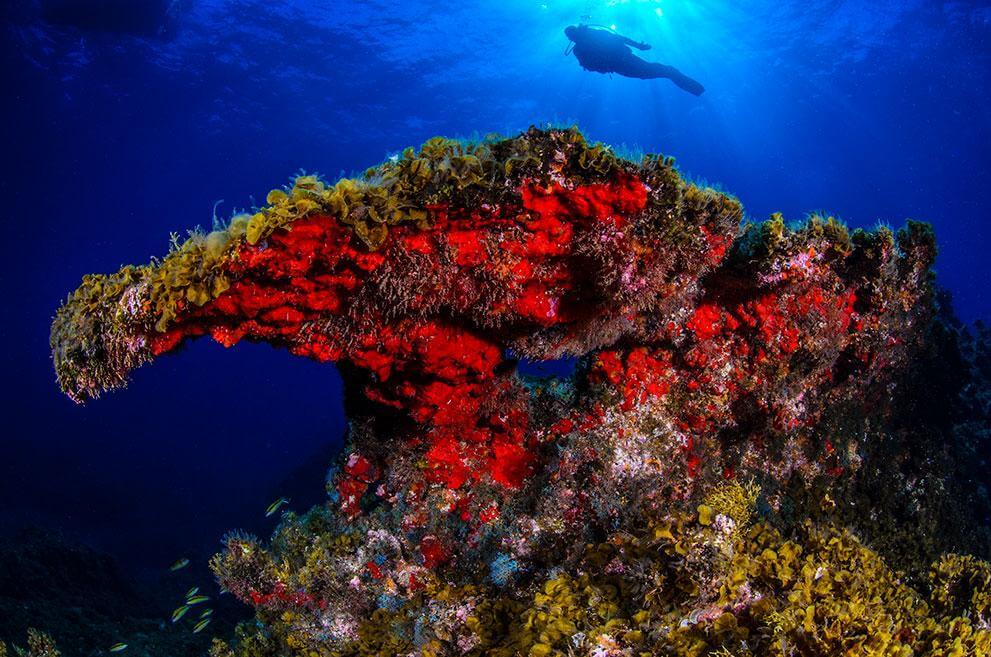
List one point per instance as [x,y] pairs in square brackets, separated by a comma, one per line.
[476,510]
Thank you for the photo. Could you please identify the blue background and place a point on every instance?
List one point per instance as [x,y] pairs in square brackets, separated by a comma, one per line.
[874,111]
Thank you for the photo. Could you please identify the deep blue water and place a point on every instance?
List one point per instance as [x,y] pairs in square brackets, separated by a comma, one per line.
[874,111]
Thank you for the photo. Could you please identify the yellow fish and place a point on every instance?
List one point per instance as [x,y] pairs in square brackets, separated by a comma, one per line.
[117,647]
[206,612]
[195,600]
[274,506]
[179,565]
[199,626]
[179,613]
[193,591]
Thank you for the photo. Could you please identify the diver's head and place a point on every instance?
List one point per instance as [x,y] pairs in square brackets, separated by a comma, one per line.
[571,32]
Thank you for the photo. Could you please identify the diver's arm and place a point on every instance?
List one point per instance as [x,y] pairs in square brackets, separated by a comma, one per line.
[634,44]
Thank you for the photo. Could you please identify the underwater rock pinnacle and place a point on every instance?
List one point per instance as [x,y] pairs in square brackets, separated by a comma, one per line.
[724,369]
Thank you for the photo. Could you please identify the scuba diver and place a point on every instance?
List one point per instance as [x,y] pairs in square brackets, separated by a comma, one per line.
[603,51]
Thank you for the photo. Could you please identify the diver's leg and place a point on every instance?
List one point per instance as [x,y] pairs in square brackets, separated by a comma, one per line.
[685,83]
[635,67]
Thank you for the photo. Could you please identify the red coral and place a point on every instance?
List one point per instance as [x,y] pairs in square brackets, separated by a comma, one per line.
[638,373]
[706,323]
[608,203]
[432,551]
[280,596]
[358,474]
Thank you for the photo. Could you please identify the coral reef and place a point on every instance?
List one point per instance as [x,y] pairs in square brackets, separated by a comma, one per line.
[745,405]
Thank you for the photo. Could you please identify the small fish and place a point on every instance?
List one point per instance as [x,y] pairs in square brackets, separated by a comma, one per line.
[179,565]
[193,591]
[117,647]
[179,613]
[274,506]
[196,599]
[199,626]
[206,612]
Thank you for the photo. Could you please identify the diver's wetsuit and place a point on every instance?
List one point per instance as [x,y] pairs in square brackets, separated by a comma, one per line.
[603,51]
